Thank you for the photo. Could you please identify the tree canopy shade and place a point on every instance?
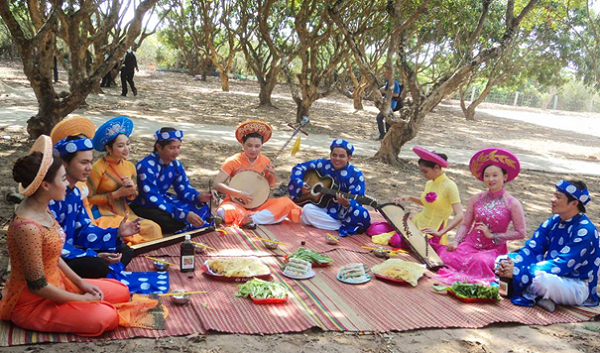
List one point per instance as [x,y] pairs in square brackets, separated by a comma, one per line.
[79,32]
[414,25]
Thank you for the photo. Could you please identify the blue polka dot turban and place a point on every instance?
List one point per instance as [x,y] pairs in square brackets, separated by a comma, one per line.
[110,130]
[168,135]
[565,187]
[64,147]
[339,143]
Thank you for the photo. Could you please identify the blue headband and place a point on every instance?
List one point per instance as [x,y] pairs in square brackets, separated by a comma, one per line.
[339,143]
[110,130]
[565,187]
[64,147]
[168,135]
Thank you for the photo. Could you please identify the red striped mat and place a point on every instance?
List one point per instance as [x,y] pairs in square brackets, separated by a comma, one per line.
[322,302]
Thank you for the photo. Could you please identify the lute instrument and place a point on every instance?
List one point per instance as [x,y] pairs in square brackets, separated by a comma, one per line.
[255,183]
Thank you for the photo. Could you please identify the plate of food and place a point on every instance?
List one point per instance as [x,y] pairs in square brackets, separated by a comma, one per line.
[399,271]
[472,293]
[353,274]
[236,269]
[315,259]
[297,268]
[263,292]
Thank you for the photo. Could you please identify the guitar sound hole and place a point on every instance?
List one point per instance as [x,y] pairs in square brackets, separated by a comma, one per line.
[317,188]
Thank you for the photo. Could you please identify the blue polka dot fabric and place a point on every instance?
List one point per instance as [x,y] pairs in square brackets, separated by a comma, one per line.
[354,218]
[82,237]
[141,282]
[155,178]
[568,248]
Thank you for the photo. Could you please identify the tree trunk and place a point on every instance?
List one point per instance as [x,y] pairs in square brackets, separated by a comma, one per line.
[551,92]
[357,97]
[224,81]
[399,134]
[470,111]
[266,89]
[303,109]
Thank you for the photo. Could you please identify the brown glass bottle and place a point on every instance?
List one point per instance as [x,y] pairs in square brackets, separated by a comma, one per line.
[187,256]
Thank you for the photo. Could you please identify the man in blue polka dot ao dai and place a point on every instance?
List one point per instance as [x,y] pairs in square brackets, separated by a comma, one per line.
[347,216]
[183,211]
[559,264]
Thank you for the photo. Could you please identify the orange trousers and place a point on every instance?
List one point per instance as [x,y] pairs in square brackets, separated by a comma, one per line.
[33,312]
[279,207]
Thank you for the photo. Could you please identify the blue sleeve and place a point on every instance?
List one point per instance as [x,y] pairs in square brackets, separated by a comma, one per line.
[71,252]
[536,246]
[356,182]
[89,236]
[182,186]
[150,193]
[296,178]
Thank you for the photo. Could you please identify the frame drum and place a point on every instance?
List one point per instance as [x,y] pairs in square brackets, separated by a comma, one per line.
[251,182]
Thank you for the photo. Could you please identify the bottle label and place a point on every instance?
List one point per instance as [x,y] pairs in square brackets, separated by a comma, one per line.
[187,262]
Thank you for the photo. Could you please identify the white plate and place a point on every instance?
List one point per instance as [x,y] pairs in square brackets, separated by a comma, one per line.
[310,274]
[364,280]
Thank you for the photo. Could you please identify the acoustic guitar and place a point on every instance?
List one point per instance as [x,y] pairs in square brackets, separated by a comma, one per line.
[323,190]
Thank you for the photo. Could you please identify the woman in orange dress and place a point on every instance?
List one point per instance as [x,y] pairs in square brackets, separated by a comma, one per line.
[252,135]
[43,293]
[111,182]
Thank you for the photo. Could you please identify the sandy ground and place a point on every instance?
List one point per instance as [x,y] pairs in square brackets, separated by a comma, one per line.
[174,97]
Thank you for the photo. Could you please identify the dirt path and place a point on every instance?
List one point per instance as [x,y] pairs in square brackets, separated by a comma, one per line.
[170,97]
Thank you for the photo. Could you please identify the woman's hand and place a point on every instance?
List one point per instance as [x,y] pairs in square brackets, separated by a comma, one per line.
[451,246]
[341,200]
[401,200]
[110,258]
[124,191]
[128,228]
[91,289]
[127,182]
[483,228]
[270,174]
[432,232]
[246,197]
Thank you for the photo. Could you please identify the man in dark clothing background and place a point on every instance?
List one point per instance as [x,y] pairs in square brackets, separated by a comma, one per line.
[127,71]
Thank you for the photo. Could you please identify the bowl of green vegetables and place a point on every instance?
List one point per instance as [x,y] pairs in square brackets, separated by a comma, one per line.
[471,292]
[263,292]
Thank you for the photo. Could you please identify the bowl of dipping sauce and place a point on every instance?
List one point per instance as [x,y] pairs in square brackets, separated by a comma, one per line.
[181,299]
[383,253]
[159,266]
[271,246]
[331,241]
[199,249]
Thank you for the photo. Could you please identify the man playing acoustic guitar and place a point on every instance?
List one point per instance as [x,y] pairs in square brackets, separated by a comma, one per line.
[347,216]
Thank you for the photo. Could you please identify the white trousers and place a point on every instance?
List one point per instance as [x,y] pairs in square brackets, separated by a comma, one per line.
[561,290]
[260,217]
[317,217]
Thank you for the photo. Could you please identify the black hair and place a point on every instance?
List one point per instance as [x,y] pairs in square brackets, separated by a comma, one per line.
[164,143]
[430,164]
[489,165]
[67,158]
[112,142]
[26,168]
[252,135]
[581,186]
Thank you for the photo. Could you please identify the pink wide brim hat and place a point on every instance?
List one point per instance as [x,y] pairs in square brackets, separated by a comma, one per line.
[44,145]
[430,156]
[495,156]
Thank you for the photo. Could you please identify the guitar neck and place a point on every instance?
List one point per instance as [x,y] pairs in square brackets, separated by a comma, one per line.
[364,200]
